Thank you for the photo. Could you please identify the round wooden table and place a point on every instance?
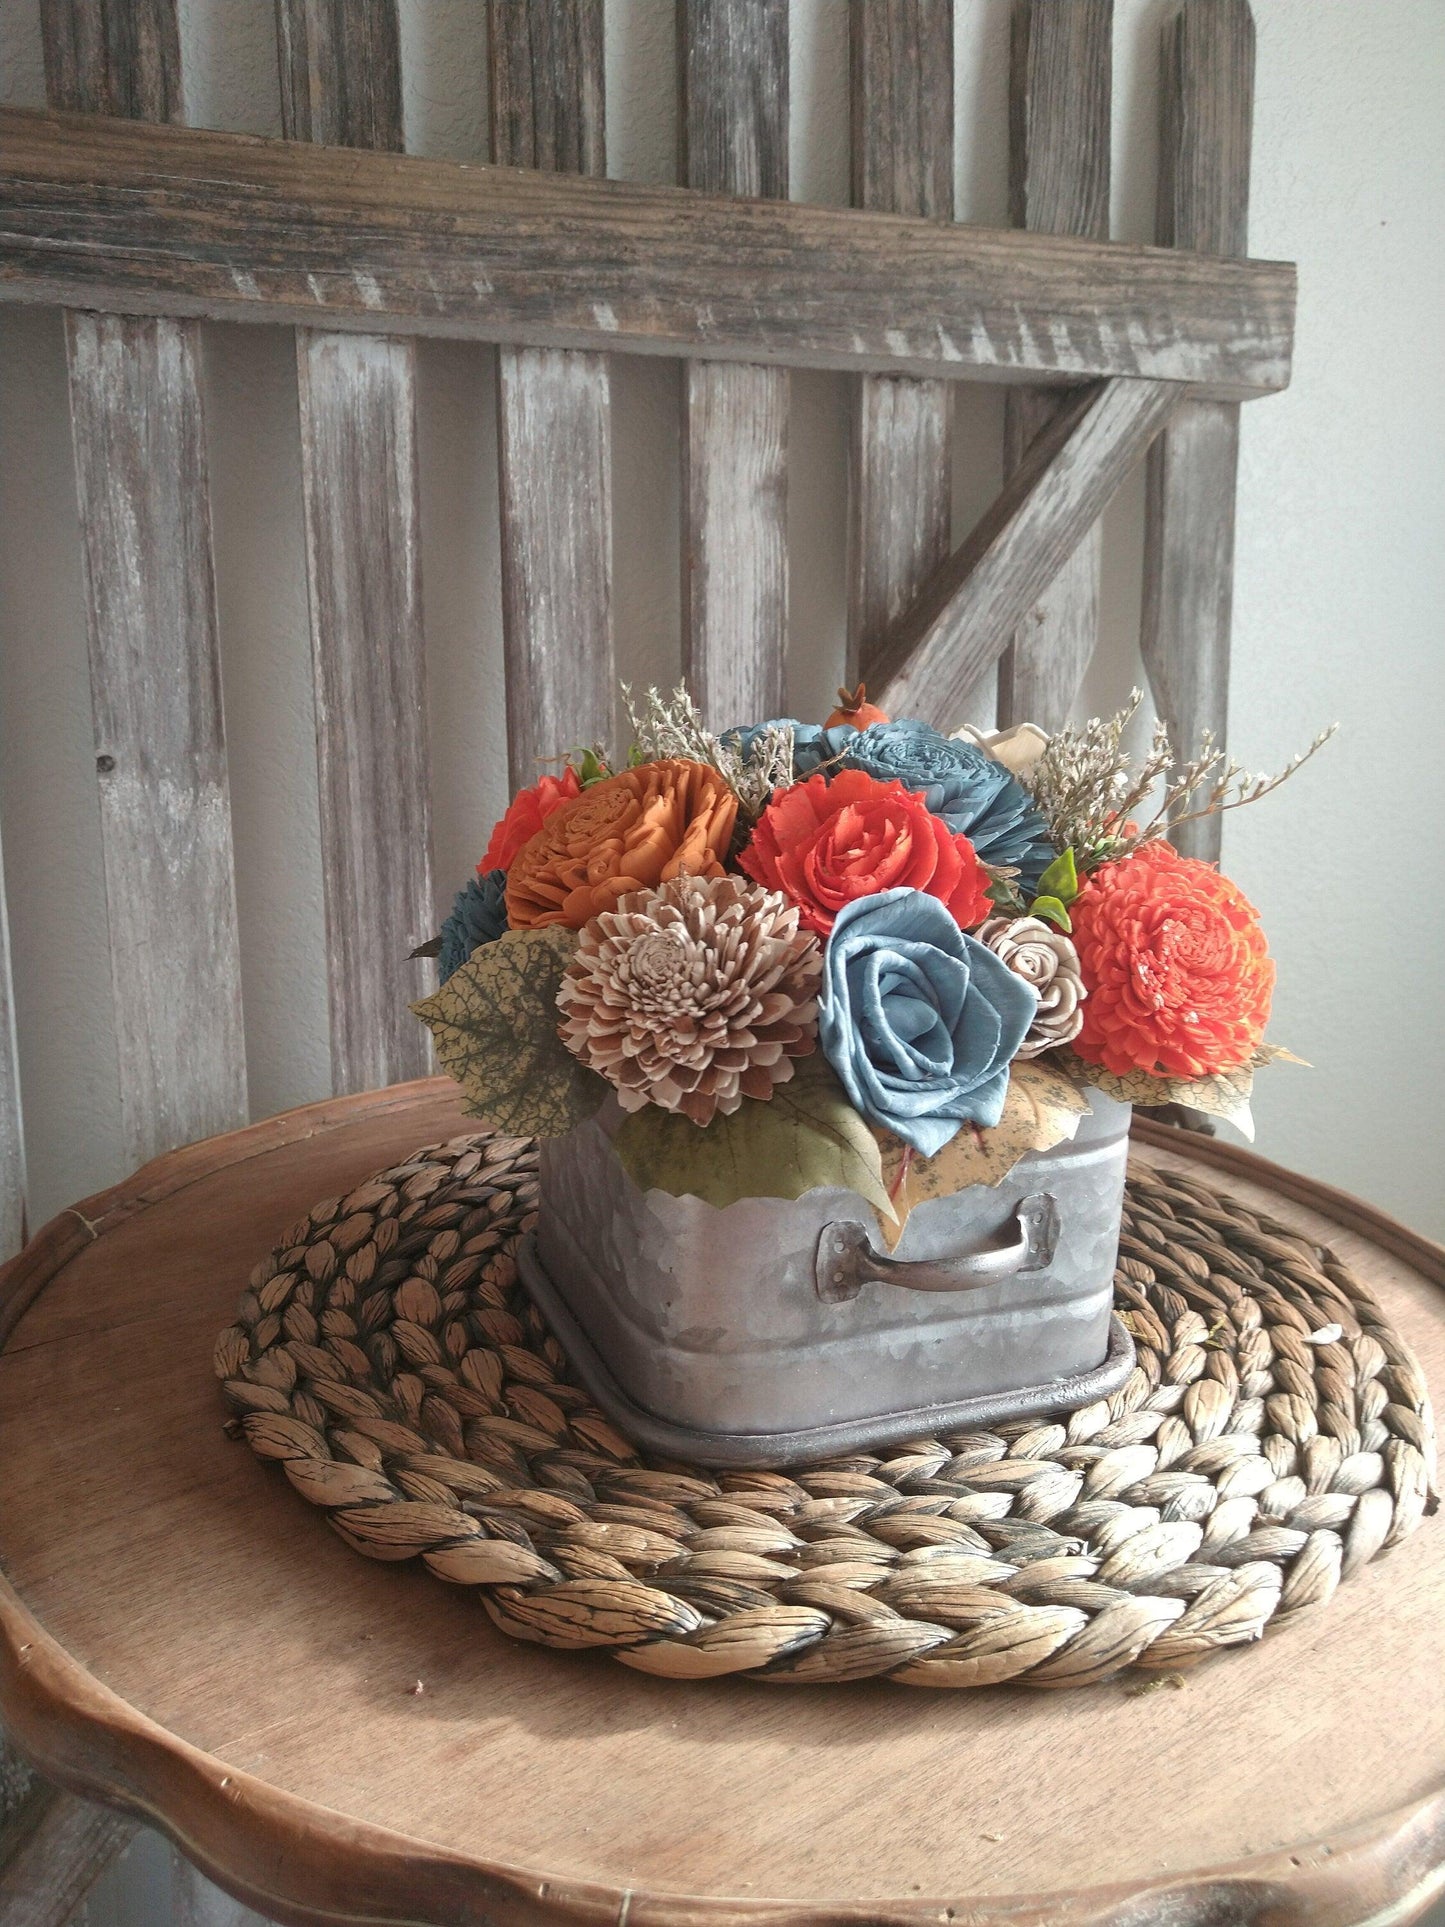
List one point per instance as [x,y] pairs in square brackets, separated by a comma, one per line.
[335,1740]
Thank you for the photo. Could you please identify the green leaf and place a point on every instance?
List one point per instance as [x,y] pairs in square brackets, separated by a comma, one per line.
[805,1136]
[589,766]
[1060,880]
[495,1025]
[1053,910]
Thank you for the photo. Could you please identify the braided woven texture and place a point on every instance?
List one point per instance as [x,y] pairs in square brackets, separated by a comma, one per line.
[1274,1436]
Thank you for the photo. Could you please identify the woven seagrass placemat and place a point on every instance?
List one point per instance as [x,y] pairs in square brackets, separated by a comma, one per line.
[1274,1435]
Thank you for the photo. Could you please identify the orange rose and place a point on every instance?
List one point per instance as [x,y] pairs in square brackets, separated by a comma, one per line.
[639,828]
[1178,975]
[824,843]
[525,815]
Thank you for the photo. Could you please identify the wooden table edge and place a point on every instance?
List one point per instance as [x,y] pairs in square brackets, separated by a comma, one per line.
[242,1832]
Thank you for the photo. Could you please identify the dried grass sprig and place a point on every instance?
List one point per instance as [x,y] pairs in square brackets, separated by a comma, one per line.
[666,726]
[1088,787]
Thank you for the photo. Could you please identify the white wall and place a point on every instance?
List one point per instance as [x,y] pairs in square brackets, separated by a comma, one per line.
[1340,587]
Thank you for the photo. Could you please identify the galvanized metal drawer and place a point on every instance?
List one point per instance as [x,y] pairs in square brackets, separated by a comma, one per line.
[777,1330]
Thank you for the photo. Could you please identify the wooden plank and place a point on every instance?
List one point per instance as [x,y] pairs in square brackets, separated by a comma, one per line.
[12,1127]
[341,82]
[105,214]
[1060,95]
[340,64]
[901,476]
[113,57]
[52,1853]
[962,621]
[143,495]
[554,413]
[733,124]
[1207,110]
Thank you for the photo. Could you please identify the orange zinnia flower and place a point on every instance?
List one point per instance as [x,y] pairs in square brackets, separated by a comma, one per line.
[639,828]
[1178,975]
[525,815]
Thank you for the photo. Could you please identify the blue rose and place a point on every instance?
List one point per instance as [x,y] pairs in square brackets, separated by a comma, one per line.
[960,783]
[918,1020]
[478,916]
[812,745]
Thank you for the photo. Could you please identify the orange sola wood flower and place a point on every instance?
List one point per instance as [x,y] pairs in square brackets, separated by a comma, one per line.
[637,829]
[825,843]
[1178,974]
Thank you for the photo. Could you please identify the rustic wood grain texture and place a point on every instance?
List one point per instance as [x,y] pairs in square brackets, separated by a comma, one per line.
[340,64]
[104,214]
[972,605]
[52,1853]
[554,414]
[113,57]
[143,494]
[533,1787]
[358,439]
[12,1126]
[341,83]
[546,71]
[733,139]
[901,474]
[1060,94]
[1207,103]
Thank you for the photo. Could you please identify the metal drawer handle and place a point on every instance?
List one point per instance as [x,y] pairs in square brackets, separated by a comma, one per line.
[846,1259]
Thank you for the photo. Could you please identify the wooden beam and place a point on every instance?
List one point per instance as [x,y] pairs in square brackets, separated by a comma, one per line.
[554,414]
[1060,96]
[962,621]
[341,81]
[106,214]
[143,494]
[733,124]
[12,1126]
[1207,109]
[901,478]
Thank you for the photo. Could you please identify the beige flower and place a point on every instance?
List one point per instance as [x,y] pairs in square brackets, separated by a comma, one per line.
[1045,958]
[694,995]
[1018,749]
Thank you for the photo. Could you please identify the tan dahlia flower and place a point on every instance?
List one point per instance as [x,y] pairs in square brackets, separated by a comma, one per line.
[1045,958]
[694,995]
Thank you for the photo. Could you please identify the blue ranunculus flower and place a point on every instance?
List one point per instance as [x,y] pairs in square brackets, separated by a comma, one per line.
[962,784]
[479,915]
[959,782]
[919,1020]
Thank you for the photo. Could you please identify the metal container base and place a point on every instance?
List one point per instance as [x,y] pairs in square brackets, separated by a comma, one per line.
[767,1450]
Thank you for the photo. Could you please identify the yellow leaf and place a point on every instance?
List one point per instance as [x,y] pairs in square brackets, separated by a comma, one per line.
[1042,1108]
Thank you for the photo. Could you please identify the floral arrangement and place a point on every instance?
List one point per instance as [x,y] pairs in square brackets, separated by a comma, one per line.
[862,953]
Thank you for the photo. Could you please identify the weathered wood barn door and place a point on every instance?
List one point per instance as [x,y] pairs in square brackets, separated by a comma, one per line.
[140,232]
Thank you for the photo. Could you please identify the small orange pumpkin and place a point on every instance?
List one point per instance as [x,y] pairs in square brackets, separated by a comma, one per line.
[854,710]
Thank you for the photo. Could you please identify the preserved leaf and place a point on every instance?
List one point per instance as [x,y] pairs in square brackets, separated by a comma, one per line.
[1042,1108]
[495,1025]
[806,1136]
[1225,1095]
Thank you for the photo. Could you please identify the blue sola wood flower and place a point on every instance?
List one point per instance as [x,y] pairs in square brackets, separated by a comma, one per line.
[959,782]
[919,1021]
[478,916]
